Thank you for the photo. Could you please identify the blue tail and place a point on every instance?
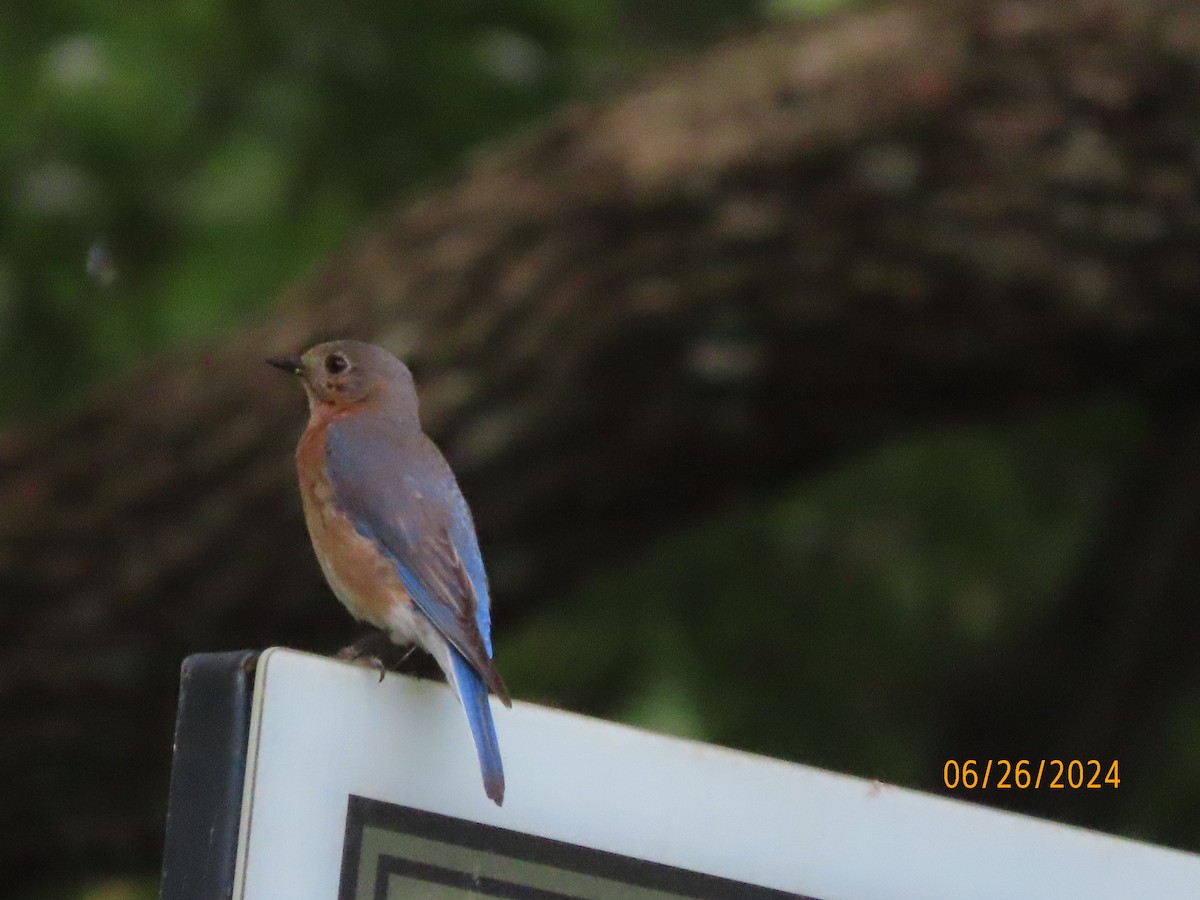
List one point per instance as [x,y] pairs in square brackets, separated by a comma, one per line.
[473,694]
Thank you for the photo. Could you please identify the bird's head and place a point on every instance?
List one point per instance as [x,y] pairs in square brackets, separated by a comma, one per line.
[342,374]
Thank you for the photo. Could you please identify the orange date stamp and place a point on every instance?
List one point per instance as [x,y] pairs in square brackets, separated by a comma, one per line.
[1030,774]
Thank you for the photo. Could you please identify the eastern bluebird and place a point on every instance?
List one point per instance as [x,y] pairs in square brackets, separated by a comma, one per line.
[390,527]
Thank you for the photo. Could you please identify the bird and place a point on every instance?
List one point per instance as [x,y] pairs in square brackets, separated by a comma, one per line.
[390,527]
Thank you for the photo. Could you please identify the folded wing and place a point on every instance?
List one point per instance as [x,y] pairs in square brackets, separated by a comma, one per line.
[398,491]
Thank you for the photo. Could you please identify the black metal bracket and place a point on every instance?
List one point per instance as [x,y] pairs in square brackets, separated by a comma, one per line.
[208,771]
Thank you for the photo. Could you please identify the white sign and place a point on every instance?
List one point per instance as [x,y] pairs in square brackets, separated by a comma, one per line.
[361,789]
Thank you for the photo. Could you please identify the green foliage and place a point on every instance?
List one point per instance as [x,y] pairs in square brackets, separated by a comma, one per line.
[801,9]
[169,166]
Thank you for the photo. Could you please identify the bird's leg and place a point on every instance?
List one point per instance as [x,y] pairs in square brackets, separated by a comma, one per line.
[412,648]
[372,644]
[368,651]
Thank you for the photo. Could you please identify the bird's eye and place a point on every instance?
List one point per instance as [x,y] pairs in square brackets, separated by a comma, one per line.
[335,364]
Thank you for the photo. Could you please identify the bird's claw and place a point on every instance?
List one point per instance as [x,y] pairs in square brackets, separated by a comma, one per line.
[355,654]
[366,660]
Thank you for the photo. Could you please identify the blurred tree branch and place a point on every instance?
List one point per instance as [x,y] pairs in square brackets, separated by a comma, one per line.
[803,242]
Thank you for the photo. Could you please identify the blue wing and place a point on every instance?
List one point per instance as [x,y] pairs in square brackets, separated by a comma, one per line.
[399,492]
[466,544]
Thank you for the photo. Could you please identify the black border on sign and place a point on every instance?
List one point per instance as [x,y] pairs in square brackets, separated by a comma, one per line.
[363,813]
[208,772]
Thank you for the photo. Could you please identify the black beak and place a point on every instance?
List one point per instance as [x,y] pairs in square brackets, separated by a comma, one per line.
[289,364]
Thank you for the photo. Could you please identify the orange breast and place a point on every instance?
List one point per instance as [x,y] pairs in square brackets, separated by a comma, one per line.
[363,579]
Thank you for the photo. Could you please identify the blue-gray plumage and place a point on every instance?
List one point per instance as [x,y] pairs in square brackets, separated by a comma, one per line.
[390,526]
[420,520]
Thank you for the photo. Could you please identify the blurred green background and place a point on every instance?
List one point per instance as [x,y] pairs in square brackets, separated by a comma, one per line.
[168,167]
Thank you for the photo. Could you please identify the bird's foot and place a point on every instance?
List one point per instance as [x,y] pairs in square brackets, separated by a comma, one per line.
[369,662]
[363,653]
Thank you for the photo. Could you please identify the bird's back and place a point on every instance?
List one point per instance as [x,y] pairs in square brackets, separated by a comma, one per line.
[395,486]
